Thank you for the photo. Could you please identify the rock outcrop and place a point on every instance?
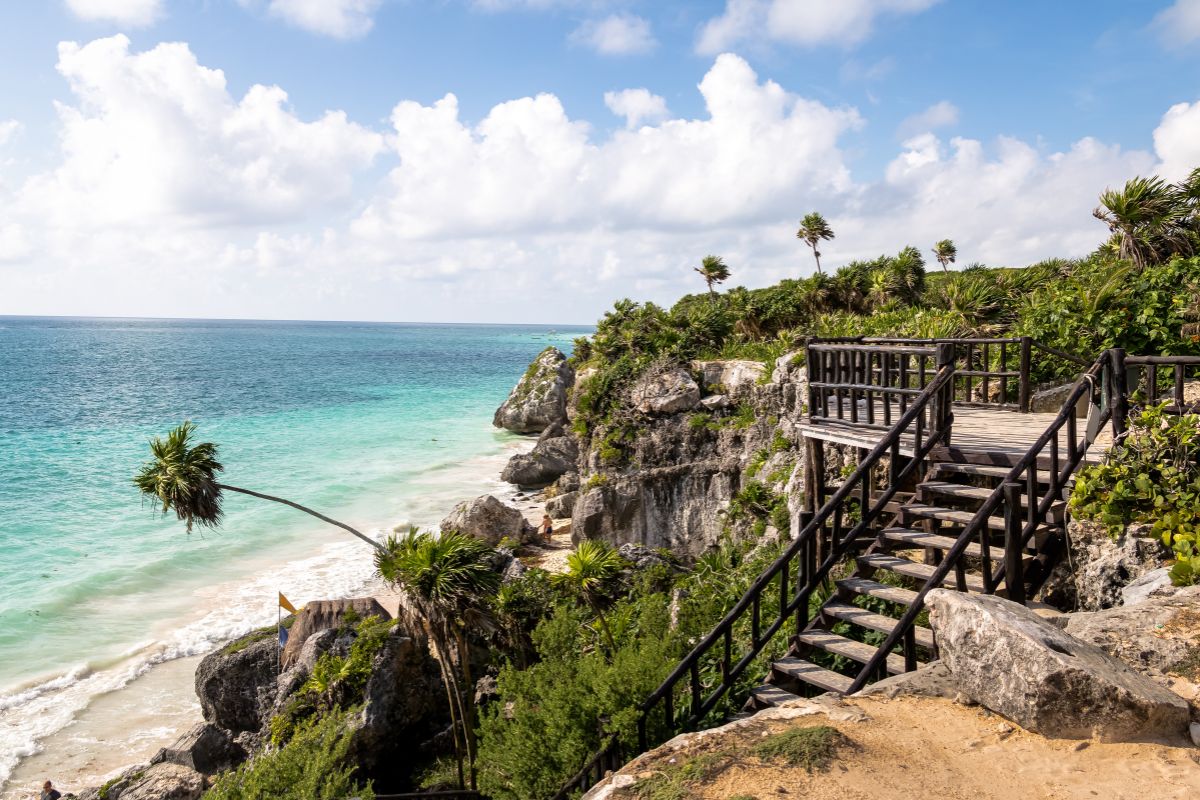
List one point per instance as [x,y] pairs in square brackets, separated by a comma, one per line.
[734,378]
[205,748]
[321,615]
[165,782]
[562,506]
[552,457]
[665,391]
[1013,662]
[236,684]
[539,399]
[489,519]
[1099,567]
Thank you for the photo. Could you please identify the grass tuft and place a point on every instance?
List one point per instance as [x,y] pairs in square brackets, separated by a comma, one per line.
[812,748]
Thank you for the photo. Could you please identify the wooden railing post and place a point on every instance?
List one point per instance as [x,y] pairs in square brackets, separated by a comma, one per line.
[1120,392]
[944,399]
[1014,542]
[1024,385]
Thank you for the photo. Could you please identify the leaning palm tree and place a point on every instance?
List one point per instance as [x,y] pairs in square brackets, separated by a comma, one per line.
[814,229]
[591,570]
[945,252]
[1148,220]
[182,476]
[447,578]
[713,270]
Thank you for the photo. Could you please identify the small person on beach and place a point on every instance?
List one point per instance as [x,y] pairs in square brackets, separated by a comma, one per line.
[49,792]
[547,527]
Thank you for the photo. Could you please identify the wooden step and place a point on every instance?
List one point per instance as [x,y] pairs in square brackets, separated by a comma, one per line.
[810,673]
[957,516]
[988,470]
[880,591]
[767,696]
[876,622]
[902,566]
[841,646]
[922,539]
[961,492]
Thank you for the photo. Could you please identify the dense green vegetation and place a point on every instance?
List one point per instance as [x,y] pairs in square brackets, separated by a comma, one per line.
[1152,476]
[311,766]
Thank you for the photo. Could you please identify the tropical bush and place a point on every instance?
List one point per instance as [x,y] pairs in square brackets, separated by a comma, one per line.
[1152,476]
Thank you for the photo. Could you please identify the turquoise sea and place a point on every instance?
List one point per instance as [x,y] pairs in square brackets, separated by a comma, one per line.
[378,425]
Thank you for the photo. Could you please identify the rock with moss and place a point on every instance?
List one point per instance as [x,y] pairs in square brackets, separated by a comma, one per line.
[1101,565]
[322,615]
[165,782]
[735,378]
[668,390]
[204,748]
[539,399]
[236,684]
[491,520]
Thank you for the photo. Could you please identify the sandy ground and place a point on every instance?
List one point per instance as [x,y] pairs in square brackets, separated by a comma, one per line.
[923,748]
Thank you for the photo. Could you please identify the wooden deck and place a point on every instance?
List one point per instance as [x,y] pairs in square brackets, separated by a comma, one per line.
[981,430]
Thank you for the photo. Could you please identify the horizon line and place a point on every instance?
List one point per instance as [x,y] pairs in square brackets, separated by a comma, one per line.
[282,319]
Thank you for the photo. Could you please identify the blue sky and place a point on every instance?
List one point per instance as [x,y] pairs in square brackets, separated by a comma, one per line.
[136,179]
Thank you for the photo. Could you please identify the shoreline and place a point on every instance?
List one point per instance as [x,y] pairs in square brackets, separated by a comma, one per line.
[122,722]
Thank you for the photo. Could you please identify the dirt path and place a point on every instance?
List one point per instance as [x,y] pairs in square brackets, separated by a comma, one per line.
[917,748]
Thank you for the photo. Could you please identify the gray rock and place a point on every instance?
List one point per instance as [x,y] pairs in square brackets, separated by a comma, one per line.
[666,391]
[547,461]
[113,788]
[294,676]
[1152,583]
[735,378]
[715,402]
[205,748]
[1050,400]
[1098,567]
[506,563]
[165,782]
[539,399]
[932,680]
[1153,636]
[561,506]
[489,519]
[568,482]
[322,615]
[1013,662]
[236,684]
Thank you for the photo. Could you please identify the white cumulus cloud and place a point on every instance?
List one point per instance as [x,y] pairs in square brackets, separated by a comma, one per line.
[1179,23]
[135,13]
[802,22]
[939,115]
[8,129]
[636,106]
[341,19]
[1177,140]
[616,35]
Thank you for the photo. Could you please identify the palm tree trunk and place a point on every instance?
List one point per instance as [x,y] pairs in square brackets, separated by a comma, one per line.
[464,654]
[446,669]
[306,510]
[817,256]
[612,645]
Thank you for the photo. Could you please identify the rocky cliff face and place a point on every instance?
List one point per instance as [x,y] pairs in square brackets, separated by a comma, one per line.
[695,450]
[540,398]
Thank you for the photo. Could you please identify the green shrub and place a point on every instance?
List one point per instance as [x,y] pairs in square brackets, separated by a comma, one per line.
[756,462]
[1152,476]
[312,766]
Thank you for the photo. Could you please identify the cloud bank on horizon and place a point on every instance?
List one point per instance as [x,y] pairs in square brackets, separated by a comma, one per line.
[170,193]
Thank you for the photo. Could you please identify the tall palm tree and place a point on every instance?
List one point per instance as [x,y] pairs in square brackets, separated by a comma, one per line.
[591,570]
[447,578]
[713,270]
[945,252]
[1148,219]
[183,477]
[814,229]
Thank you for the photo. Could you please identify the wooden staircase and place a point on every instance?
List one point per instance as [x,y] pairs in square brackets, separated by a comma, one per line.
[867,604]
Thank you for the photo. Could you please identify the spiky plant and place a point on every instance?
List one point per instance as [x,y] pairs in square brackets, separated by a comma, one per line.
[713,270]
[182,477]
[591,570]
[945,252]
[1148,219]
[814,230]
[447,578]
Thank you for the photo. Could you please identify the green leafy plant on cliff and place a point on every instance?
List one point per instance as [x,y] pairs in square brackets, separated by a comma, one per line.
[313,765]
[591,571]
[1152,476]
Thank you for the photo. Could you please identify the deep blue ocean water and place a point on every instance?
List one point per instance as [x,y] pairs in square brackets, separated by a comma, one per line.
[374,424]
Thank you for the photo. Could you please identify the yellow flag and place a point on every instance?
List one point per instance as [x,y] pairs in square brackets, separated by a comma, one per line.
[285,603]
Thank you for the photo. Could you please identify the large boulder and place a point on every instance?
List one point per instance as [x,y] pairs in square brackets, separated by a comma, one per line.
[665,391]
[489,519]
[539,399]
[1101,566]
[1017,664]
[321,615]
[735,378]
[205,748]
[236,684]
[165,782]
[561,506]
[549,460]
